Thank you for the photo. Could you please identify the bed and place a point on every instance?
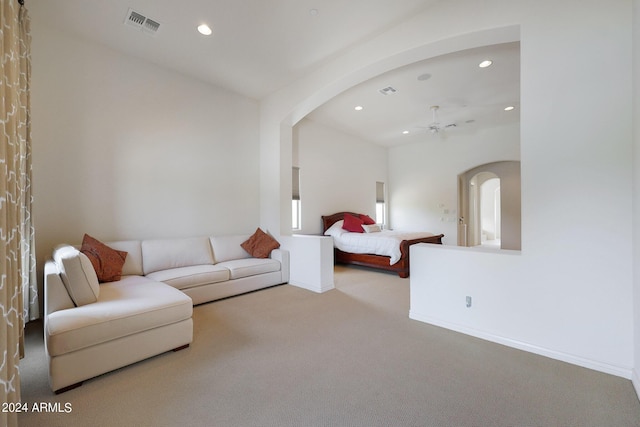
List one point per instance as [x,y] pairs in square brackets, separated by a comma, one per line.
[385,250]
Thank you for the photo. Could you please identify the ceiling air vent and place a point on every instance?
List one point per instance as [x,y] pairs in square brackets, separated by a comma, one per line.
[387,90]
[137,20]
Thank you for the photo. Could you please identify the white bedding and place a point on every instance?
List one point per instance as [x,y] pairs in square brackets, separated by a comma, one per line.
[385,242]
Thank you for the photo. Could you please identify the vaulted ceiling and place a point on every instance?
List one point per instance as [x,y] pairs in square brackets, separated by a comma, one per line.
[258,47]
[467,98]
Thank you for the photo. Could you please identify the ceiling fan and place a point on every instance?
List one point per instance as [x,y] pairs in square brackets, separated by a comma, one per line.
[435,126]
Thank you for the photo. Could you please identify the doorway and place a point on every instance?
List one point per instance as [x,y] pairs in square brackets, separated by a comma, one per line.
[490,212]
[489,206]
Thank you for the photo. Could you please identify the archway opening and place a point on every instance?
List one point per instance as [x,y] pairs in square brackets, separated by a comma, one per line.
[489,206]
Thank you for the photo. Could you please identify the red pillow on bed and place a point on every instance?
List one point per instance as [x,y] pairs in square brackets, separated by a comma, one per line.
[353,224]
[367,220]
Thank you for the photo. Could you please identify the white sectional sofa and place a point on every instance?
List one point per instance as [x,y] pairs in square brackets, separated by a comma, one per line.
[92,328]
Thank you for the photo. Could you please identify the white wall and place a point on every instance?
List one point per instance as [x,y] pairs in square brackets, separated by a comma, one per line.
[423,177]
[568,295]
[519,310]
[571,288]
[338,172]
[305,251]
[124,149]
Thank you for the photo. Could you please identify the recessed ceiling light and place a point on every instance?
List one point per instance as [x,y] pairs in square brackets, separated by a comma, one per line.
[405,132]
[358,108]
[423,77]
[204,29]
[509,108]
[313,12]
[485,63]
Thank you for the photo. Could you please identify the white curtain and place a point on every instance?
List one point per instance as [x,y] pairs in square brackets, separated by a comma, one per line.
[18,287]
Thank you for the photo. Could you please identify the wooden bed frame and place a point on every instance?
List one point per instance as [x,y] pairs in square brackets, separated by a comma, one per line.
[376,261]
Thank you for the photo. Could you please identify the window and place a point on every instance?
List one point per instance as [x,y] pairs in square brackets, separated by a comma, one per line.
[296,222]
[380,204]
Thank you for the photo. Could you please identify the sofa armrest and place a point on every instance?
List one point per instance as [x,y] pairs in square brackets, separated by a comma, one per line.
[282,255]
[56,296]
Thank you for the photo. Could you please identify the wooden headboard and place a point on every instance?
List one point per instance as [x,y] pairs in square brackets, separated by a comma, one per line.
[329,220]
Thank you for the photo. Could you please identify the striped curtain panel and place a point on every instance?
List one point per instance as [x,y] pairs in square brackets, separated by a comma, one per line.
[18,286]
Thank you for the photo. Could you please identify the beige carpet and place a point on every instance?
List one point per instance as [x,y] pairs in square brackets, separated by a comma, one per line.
[285,356]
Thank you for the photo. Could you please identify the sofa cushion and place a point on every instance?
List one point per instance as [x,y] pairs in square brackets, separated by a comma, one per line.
[250,267]
[173,253]
[133,262]
[260,244]
[226,248]
[131,305]
[188,277]
[106,261]
[77,274]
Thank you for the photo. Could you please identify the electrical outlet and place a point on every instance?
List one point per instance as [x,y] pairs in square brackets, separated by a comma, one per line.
[468,301]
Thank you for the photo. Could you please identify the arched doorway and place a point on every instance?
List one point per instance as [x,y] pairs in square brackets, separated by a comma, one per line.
[489,206]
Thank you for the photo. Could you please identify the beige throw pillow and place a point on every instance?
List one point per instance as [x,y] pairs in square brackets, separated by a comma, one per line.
[77,274]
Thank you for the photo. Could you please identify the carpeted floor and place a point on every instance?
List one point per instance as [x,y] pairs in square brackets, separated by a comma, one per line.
[285,356]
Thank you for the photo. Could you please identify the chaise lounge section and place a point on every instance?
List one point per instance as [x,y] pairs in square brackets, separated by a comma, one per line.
[92,328]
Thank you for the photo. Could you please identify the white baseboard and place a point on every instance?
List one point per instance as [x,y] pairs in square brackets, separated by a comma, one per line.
[318,288]
[635,380]
[564,357]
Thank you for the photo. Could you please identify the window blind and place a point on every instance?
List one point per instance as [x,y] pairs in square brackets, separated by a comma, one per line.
[295,184]
[379,192]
